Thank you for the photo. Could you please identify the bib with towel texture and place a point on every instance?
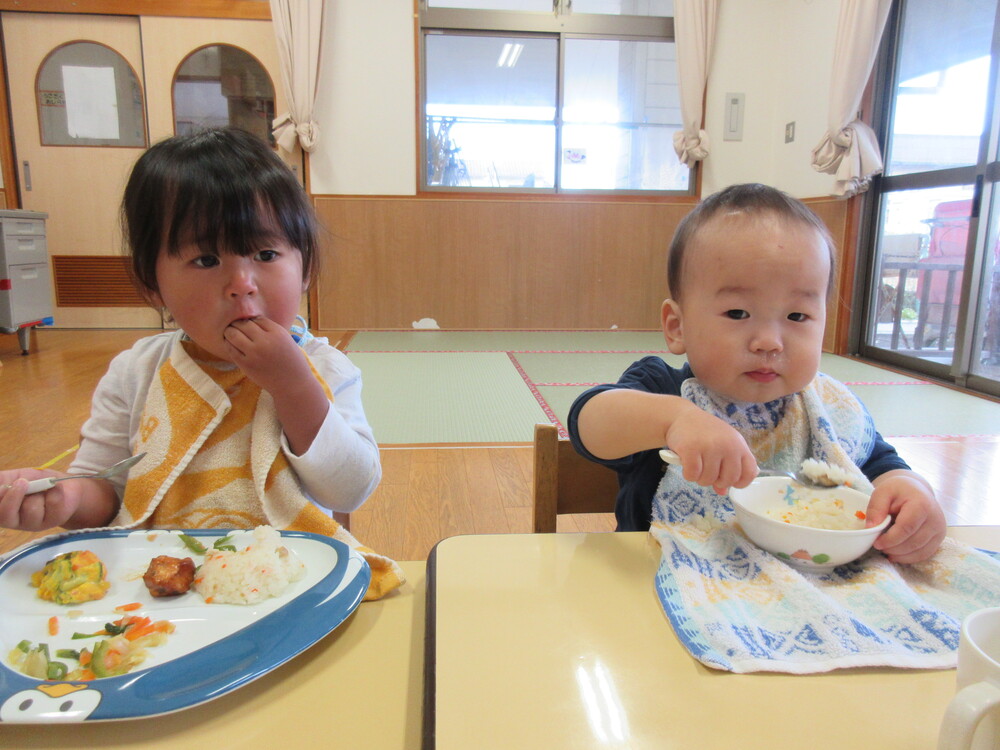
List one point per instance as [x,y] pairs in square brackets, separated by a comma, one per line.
[215,460]
[736,607]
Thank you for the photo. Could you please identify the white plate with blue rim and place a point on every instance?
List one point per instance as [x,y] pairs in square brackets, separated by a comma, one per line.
[214,649]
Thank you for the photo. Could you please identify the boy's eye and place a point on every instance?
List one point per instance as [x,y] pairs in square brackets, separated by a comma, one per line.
[737,314]
[798,317]
[206,261]
[266,255]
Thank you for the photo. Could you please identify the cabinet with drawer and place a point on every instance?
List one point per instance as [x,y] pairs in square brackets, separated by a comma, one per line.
[25,274]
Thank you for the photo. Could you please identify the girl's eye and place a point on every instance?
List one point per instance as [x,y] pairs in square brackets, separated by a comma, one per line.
[266,255]
[737,314]
[797,317]
[206,261]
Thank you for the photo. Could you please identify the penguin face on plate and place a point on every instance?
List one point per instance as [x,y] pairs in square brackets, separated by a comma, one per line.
[49,703]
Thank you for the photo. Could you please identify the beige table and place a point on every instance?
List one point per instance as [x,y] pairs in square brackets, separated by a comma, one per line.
[359,687]
[559,641]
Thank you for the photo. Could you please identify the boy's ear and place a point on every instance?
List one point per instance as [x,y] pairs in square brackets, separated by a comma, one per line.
[673,326]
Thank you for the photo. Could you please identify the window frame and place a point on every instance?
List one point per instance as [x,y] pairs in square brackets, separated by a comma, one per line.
[490,23]
[980,176]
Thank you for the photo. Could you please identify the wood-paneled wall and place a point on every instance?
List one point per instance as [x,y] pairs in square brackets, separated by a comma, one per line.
[503,264]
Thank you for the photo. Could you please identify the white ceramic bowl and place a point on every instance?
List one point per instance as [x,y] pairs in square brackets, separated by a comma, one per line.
[803,547]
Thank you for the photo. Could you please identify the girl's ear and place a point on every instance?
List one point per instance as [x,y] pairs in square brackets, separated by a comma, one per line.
[673,326]
[154,299]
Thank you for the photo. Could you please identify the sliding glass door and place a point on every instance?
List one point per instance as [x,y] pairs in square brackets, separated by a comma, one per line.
[933,299]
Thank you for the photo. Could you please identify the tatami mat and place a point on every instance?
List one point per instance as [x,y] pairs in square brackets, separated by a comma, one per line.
[416,397]
[506,341]
[489,387]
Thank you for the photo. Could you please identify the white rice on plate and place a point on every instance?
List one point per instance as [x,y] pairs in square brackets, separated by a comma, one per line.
[819,513]
[264,569]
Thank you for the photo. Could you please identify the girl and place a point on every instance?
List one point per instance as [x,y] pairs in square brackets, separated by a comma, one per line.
[245,417]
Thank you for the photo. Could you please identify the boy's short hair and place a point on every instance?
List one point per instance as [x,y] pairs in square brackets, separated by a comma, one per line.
[224,189]
[752,199]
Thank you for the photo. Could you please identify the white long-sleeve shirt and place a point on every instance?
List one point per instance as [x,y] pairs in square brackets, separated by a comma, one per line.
[337,473]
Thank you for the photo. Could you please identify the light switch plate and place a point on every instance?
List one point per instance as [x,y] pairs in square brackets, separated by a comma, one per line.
[732,128]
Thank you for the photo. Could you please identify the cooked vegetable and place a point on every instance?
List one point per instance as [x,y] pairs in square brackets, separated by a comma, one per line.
[193,544]
[72,578]
[122,649]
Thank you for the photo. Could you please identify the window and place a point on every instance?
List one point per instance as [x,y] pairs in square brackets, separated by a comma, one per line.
[219,86]
[524,100]
[88,95]
[934,298]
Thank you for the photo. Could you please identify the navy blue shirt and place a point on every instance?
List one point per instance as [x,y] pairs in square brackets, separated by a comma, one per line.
[640,474]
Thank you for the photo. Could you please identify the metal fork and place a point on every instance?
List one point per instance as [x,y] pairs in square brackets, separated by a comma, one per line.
[40,485]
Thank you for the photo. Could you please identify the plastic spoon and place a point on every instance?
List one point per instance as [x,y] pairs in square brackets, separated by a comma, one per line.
[40,485]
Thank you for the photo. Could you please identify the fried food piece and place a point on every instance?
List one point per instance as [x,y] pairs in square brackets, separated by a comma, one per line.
[169,576]
[72,578]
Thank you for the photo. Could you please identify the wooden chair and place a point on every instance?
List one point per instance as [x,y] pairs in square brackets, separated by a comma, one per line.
[566,482]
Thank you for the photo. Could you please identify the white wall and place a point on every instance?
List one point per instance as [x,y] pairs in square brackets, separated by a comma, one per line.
[777,52]
[366,100]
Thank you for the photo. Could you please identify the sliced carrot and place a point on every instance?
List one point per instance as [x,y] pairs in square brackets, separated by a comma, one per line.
[860,514]
[128,607]
[85,657]
[53,625]
[87,674]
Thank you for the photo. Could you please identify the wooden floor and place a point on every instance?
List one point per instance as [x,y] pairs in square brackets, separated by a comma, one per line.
[427,493]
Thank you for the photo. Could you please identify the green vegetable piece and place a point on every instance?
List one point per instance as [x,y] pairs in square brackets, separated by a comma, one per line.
[193,544]
[97,662]
[55,671]
[222,543]
[78,636]
[821,558]
[24,646]
[112,629]
[68,653]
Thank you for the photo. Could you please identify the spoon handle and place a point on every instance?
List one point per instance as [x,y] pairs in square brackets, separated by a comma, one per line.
[670,457]
[39,485]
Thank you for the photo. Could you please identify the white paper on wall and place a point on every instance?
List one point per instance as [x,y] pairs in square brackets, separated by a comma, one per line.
[91,102]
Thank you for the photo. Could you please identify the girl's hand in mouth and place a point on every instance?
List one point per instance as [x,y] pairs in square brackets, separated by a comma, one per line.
[264,350]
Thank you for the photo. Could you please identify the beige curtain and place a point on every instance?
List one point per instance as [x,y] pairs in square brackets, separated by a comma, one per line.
[694,33]
[849,148]
[298,26]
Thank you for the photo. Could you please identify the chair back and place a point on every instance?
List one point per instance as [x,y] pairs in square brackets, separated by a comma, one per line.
[566,482]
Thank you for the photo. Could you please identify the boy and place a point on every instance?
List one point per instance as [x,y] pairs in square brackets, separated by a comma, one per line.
[750,270]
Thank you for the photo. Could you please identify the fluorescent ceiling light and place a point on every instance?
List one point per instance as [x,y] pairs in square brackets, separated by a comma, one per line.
[509,55]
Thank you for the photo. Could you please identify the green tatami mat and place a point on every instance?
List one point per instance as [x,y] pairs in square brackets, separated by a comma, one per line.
[560,399]
[914,410]
[848,370]
[583,367]
[506,341]
[446,398]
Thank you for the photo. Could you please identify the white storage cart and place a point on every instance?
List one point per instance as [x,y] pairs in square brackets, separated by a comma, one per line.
[25,275]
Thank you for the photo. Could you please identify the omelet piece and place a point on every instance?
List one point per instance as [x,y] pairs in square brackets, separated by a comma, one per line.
[72,578]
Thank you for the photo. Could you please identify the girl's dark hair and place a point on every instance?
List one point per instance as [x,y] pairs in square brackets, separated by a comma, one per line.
[751,199]
[225,190]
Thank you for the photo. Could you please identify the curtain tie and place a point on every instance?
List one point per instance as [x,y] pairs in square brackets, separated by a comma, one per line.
[286,130]
[691,149]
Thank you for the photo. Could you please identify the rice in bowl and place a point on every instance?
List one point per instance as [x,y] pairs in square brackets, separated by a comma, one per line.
[819,513]
[264,569]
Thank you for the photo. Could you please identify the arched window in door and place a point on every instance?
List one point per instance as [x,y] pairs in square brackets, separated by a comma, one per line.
[221,85]
[89,95]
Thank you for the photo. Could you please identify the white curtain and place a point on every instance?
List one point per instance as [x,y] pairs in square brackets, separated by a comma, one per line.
[849,148]
[298,26]
[694,33]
